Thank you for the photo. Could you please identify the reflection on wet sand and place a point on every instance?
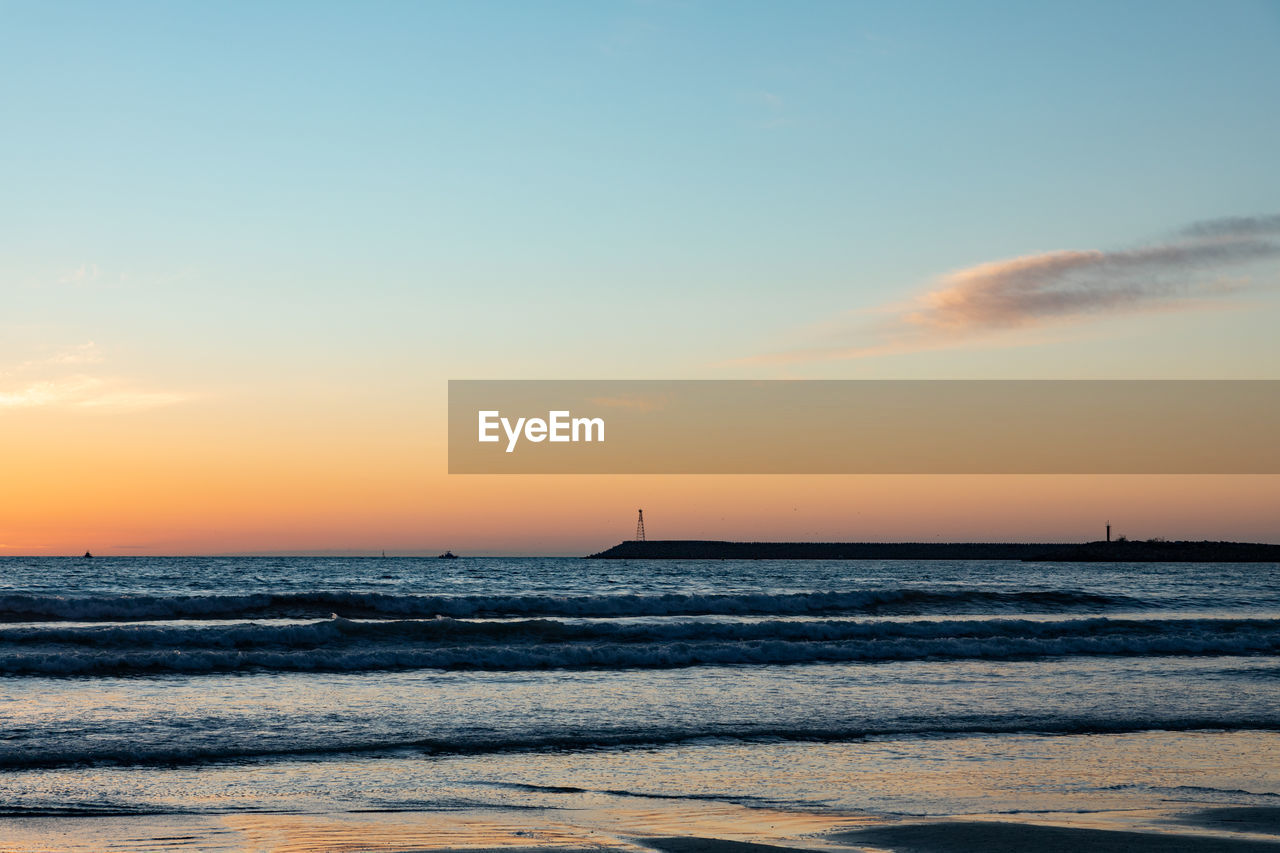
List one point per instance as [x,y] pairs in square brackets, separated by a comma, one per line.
[668,828]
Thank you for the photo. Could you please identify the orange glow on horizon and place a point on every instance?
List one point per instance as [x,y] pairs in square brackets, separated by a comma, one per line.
[196,480]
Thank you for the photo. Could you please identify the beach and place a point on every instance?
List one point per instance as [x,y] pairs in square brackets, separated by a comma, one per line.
[711,829]
[651,426]
[308,704]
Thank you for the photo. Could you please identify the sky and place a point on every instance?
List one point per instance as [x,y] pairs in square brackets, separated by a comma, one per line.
[244,246]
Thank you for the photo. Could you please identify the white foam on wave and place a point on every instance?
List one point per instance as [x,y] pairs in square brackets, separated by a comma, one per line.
[125,608]
[339,645]
[461,743]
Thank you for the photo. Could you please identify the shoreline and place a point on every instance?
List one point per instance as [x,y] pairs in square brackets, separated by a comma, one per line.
[701,829]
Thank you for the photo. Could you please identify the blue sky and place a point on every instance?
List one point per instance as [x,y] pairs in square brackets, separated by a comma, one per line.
[582,176]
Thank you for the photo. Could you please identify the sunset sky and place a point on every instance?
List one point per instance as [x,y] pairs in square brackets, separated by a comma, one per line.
[244,246]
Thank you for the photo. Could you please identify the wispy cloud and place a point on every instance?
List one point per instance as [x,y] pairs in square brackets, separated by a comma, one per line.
[83,274]
[85,392]
[1038,288]
[768,109]
[1236,226]
[61,380]
[1064,286]
[769,99]
[85,353]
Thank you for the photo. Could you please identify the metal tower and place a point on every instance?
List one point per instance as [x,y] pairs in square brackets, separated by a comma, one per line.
[640,527]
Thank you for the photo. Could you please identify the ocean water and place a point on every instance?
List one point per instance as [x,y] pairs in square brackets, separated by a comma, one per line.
[271,703]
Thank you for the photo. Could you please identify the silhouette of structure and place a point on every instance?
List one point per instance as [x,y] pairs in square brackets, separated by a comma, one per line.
[640,526]
[1118,550]
[1108,531]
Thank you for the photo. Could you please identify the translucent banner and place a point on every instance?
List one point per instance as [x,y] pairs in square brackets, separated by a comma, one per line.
[864,427]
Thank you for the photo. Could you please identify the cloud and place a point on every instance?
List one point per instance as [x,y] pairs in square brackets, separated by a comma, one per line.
[768,110]
[1236,226]
[85,392]
[1064,286]
[769,99]
[83,274]
[1054,285]
[86,353]
[61,380]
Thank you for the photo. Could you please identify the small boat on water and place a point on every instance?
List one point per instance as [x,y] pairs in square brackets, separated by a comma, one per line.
[448,555]
[87,556]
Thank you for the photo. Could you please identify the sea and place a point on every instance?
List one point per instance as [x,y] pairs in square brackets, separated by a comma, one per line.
[326,703]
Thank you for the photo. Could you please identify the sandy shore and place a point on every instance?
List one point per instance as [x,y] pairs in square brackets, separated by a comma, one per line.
[669,828]
[997,837]
[1257,819]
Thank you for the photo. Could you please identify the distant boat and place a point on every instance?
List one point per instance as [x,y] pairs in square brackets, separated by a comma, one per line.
[88,556]
[448,555]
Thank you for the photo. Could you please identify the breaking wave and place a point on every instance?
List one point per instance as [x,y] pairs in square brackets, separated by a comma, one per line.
[371,605]
[343,645]
[176,754]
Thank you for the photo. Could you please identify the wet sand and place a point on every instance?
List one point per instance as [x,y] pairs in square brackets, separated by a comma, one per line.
[1254,819]
[666,829]
[1000,837]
